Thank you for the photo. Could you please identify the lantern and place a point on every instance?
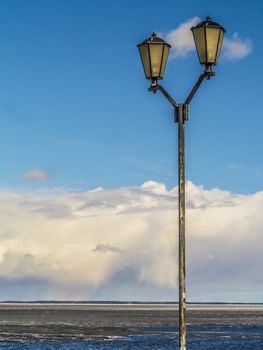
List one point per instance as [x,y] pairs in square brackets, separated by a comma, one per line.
[208,37]
[154,53]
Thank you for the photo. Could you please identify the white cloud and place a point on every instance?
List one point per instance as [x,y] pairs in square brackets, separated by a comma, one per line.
[36,175]
[236,48]
[182,42]
[121,243]
[181,38]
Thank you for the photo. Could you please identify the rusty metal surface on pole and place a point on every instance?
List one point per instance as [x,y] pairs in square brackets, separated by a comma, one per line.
[181,219]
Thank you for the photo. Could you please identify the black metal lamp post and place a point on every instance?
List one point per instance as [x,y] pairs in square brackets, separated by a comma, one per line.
[208,37]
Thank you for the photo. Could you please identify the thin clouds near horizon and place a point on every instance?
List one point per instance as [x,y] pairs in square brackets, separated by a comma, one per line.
[36,175]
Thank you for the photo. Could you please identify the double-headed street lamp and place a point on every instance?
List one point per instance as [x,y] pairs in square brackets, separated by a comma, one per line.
[208,38]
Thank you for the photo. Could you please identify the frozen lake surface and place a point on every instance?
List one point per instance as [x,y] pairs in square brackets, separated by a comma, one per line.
[128,326]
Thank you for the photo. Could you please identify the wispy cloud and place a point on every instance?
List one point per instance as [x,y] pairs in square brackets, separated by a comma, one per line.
[107,248]
[36,175]
[82,244]
[182,42]
[255,170]
[148,167]
[236,48]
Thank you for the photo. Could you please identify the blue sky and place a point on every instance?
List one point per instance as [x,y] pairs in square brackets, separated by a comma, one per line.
[89,157]
[74,100]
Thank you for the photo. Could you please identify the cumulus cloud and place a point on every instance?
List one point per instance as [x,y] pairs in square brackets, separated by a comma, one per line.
[182,42]
[236,48]
[122,243]
[36,175]
[181,38]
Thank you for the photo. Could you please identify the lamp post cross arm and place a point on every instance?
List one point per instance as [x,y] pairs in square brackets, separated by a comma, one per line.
[208,73]
[159,87]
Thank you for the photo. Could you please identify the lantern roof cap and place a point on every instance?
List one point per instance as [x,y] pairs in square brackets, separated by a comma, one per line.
[208,22]
[154,39]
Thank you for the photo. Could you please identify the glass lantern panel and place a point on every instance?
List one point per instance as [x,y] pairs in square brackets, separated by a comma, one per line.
[166,50]
[144,52]
[221,37]
[199,37]
[156,53]
[212,38]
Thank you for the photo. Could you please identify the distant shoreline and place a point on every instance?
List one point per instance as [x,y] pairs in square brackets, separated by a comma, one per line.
[104,302]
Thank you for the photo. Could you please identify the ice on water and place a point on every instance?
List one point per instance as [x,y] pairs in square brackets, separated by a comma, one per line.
[128,326]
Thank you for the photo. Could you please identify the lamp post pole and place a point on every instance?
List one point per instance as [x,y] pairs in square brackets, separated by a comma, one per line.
[180,117]
[181,221]
[208,36]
